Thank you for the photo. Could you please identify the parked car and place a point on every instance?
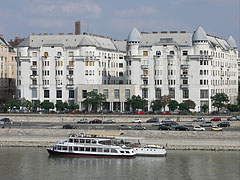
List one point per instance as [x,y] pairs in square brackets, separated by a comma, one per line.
[75,111]
[207,124]
[138,120]
[223,124]
[140,112]
[166,112]
[198,128]
[124,127]
[69,126]
[216,119]
[167,120]
[153,120]
[164,127]
[5,121]
[95,121]
[215,128]
[189,125]
[109,121]
[82,121]
[157,124]
[181,128]
[139,127]
[199,119]
[214,112]
[170,123]
[233,118]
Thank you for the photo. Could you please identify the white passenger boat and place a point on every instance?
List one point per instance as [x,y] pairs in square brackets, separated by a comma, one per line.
[91,146]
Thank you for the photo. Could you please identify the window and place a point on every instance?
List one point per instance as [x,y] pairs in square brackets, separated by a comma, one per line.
[34,54]
[59,93]
[45,54]
[127,93]
[203,94]
[70,72]
[185,81]
[59,54]
[71,93]
[70,54]
[84,93]
[120,74]
[145,53]
[71,63]
[34,73]
[120,65]
[158,53]
[86,63]
[105,93]
[158,93]
[116,93]
[34,93]
[172,92]
[34,63]
[145,72]
[171,52]
[46,94]
[34,82]
[95,90]
[144,93]
[185,53]
[185,93]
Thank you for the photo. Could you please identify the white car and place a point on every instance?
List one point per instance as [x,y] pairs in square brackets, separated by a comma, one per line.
[137,120]
[198,128]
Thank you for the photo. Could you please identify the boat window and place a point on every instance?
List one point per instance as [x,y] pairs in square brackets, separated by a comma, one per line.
[70,140]
[106,150]
[75,140]
[94,149]
[99,150]
[81,148]
[75,148]
[121,151]
[88,140]
[70,148]
[64,148]
[87,148]
[127,152]
[82,141]
[113,151]
[94,141]
[59,148]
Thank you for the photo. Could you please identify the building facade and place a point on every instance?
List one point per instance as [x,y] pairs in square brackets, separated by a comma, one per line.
[7,71]
[53,67]
[184,65]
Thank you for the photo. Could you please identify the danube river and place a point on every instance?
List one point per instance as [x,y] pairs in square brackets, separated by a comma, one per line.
[35,164]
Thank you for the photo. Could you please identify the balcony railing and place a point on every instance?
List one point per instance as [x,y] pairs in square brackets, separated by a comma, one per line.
[184,66]
[70,67]
[144,76]
[33,76]
[184,86]
[70,76]
[144,66]
[33,85]
[184,76]
[34,67]
[70,86]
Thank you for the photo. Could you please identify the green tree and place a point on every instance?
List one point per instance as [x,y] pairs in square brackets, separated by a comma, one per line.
[183,107]
[204,108]
[165,100]
[47,105]
[13,103]
[36,105]
[233,107]
[219,100]
[136,102]
[26,103]
[61,106]
[156,105]
[173,105]
[94,101]
[191,104]
[73,106]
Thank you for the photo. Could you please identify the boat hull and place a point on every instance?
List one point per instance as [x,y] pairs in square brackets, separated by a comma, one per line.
[149,152]
[71,154]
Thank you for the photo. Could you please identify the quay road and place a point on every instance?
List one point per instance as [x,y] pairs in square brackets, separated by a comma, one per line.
[235,126]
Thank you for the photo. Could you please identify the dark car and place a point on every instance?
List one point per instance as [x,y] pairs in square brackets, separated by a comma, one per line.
[124,127]
[109,121]
[181,128]
[95,121]
[153,120]
[224,124]
[5,121]
[170,123]
[164,127]
[69,126]
[139,127]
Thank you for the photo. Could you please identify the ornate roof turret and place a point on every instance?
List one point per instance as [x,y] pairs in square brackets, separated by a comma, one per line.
[134,35]
[232,42]
[199,35]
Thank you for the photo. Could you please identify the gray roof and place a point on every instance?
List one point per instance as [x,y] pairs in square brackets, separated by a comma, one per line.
[134,35]
[232,42]
[36,41]
[199,35]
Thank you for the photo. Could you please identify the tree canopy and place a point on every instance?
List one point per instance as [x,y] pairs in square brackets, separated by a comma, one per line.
[173,105]
[219,100]
[136,102]
[94,101]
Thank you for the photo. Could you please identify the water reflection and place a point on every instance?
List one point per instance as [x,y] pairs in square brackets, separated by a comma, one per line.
[34,163]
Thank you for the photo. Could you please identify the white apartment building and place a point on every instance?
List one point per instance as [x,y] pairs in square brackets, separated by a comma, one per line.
[53,67]
[185,65]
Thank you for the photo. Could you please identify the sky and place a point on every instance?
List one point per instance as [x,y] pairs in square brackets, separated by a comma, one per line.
[116,18]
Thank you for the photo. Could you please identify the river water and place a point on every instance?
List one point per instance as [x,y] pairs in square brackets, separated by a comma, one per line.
[35,164]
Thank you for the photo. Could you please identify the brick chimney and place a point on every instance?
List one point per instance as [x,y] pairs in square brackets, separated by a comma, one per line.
[77,28]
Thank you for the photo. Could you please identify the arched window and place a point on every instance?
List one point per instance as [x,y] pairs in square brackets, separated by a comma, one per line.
[59,54]
[158,53]
[172,52]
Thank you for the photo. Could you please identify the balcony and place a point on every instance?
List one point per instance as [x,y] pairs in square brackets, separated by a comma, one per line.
[144,86]
[57,57]
[70,76]
[183,76]
[70,67]
[33,86]
[46,86]
[34,67]
[144,76]
[184,86]
[185,66]
[34,76]
[144,66]
[70,86]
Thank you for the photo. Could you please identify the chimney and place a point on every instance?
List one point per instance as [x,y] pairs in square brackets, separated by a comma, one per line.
[1,36]
[77,28]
